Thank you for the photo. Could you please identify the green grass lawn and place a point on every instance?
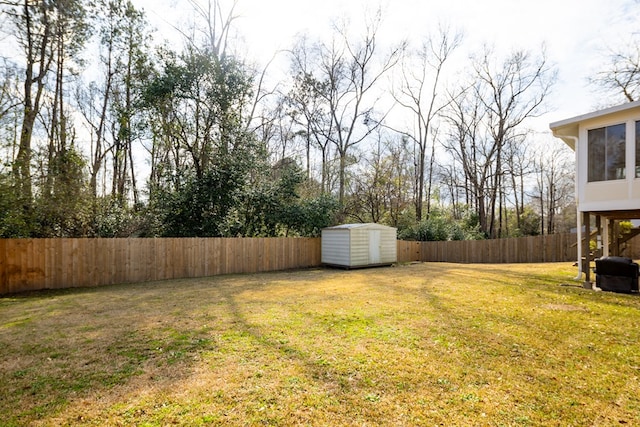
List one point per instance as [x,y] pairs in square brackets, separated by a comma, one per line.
[422,344]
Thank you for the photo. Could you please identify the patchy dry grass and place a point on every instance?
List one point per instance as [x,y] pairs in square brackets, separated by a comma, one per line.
[426,344]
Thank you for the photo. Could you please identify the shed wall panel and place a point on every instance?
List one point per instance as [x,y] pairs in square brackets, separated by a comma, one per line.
[359,247]
[335,247]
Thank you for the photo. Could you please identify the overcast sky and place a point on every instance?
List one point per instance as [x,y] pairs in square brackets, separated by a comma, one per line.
[577,33]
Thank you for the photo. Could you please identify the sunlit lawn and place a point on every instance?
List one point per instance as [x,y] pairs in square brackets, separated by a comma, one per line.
[422,344]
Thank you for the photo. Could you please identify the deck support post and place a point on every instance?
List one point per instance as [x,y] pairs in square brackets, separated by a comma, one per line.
[586,252]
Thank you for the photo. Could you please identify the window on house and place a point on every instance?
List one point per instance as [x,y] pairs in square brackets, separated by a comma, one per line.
[606,153]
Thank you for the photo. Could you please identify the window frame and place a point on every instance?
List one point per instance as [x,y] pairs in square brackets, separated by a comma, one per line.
[606,160]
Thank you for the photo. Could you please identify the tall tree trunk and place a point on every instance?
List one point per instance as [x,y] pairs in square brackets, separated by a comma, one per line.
[430,181]
[37,52]
[128,112]
[420,184]
[342,177]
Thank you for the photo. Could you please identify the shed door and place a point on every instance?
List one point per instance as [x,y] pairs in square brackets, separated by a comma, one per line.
[374,246]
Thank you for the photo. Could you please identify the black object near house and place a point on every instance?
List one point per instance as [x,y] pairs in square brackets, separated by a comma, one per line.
[617,274]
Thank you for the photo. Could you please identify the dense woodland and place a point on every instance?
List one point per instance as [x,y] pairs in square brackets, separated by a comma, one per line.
[106,131]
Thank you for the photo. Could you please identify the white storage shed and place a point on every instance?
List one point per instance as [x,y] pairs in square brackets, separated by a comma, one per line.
[359,245]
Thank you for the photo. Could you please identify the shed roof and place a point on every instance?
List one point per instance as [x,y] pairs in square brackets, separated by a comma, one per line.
[352,226]
[567,129]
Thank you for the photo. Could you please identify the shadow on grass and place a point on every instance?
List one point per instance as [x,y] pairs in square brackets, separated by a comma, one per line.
[62,346]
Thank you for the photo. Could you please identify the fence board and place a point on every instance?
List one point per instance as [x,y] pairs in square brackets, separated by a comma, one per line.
[14,268]
[3,263]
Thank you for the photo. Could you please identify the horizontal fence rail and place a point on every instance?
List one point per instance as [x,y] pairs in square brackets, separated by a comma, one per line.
[34,264]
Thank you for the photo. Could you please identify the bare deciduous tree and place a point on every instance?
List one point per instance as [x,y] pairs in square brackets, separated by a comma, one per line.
[218,24]
[620,77]
[489,118]
[510,92]
[344,75]
[419,93]
[554,185]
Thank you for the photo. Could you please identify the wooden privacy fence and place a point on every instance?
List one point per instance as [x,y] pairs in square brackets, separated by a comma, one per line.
[548,248]
[33,264]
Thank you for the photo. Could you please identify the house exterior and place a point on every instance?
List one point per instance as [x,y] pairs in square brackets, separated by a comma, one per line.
[607,151]
[359,245]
